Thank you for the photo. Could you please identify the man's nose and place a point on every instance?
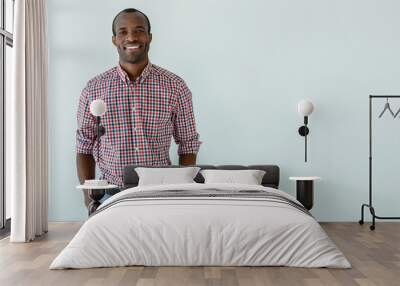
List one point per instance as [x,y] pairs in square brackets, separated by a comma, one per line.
[131,36]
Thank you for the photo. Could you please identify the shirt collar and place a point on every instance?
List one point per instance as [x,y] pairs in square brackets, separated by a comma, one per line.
[145,73]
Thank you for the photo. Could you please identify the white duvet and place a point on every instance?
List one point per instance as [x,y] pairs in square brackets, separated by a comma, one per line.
[200,231]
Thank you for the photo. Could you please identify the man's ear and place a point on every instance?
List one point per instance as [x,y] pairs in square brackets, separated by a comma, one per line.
[113,40]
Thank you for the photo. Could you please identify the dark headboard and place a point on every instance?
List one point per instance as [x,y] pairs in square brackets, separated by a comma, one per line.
[270,179]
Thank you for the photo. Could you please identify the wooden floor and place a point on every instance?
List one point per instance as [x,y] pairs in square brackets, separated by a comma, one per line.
[375,257]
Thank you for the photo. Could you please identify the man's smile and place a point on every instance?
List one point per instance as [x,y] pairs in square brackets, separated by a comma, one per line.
[132,47]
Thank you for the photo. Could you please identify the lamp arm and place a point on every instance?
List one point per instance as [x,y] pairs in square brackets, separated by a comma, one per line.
[98,138]
[305,146]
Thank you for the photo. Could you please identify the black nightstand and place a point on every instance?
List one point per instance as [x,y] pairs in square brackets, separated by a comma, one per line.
[305,190]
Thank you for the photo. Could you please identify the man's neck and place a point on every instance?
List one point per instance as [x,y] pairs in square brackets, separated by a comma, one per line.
[134,70]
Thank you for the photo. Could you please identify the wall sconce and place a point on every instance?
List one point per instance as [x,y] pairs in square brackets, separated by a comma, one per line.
[305,108]
[97,109]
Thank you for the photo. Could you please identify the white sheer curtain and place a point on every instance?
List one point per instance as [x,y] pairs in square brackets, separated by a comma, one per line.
[28,122]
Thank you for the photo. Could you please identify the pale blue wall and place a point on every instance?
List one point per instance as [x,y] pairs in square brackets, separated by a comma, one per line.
[248,63]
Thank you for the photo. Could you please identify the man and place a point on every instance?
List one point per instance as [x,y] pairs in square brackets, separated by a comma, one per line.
[146,106]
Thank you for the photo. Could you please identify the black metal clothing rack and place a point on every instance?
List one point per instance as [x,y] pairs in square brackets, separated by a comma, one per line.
[369,205]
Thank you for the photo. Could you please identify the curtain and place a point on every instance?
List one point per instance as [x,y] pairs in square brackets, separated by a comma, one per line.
[28,121]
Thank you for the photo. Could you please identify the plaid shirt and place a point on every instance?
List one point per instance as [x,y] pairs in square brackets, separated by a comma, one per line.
[141,118]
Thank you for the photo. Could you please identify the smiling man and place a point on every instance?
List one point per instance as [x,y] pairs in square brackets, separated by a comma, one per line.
[146,106]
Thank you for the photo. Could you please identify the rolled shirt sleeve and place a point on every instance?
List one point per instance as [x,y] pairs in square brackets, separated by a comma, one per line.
[185,134]
[85,134]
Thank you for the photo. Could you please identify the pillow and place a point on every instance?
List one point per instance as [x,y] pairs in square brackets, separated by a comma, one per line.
[248,177]
[165,176]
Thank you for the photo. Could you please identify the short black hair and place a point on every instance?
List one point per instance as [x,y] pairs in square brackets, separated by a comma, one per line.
[129,10]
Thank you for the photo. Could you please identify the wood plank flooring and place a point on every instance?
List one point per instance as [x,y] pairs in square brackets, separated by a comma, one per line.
[375,257]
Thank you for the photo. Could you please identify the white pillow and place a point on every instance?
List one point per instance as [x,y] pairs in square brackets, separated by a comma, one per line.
[248,177]
[165,176]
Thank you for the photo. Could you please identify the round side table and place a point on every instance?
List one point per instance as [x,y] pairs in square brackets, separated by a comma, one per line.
[305,190]
[96,193]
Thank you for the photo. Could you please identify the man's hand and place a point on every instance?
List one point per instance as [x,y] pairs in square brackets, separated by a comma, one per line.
[85,165]
[187,159]
[88,200]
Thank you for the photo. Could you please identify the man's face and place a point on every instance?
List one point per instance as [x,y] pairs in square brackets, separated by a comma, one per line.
[132,37]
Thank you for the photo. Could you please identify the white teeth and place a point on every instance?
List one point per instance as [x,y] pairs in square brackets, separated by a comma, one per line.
[132,47]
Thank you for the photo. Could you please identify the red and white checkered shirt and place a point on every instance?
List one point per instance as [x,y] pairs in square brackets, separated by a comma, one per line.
[141,118]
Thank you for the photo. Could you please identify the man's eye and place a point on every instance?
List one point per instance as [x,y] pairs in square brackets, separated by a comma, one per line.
[122,33]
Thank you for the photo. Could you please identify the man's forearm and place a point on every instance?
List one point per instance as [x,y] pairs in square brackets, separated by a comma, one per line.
[86,167]
[187,159]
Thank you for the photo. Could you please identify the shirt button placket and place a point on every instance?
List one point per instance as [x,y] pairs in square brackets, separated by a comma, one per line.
[134,120]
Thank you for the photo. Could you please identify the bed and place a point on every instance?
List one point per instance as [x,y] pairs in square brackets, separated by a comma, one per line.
[198,224]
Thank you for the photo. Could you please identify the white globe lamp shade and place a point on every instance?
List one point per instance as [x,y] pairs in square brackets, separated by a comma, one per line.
[98,107]
[305,107]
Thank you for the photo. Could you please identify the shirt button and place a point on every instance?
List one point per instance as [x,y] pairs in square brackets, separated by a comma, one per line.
[136,149]
[133,108]
[134,129]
